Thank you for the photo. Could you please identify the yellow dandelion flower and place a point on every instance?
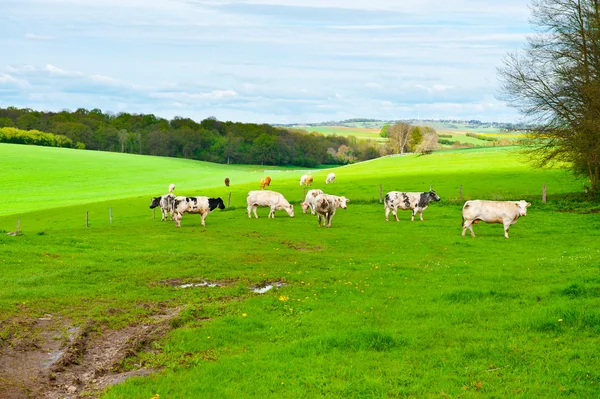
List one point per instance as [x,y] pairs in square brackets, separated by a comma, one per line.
[283,298]
[244,315]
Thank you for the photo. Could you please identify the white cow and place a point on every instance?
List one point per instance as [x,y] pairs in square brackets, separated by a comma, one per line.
[505,212]
[165,202]
[417,202]
[303,179]
[171,188]
[200,205]
[272,199]
[330,178]
[309,201]
[326,205]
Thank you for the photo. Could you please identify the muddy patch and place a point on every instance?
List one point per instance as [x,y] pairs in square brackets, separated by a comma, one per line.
[301,246]
[261,289]
[51,359]
[180,283]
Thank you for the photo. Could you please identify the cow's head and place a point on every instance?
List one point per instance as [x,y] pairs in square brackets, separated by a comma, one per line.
[341,202]
[433,196]
[290,210]
[522,206]
[155,202]
[304,207]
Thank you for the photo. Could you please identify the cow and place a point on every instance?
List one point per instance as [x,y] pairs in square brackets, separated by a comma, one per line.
[306,180]
[266,182]
[417,202]
[200,205]
[309,201]
[227,181]
[165,202]
[505,212]
[326,205]
[330,178]
[171,188]
[272,199]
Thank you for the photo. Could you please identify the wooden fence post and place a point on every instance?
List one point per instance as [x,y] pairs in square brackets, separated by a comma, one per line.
[110,214]
[87,218]
[544,194]
[154,213]
[18,230]
[380,194]
[304,196]
[461,192]
[229,199]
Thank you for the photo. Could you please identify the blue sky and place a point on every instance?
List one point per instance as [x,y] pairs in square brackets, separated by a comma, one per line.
[264,61]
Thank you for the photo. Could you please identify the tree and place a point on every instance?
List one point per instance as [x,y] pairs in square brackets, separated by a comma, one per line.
[555,83]
[398,135]
[429,141]
[384,131]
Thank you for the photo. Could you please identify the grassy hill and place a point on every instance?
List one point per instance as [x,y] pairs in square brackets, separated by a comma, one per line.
[365,308]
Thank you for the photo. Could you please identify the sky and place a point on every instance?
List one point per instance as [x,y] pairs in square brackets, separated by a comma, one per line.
[261,61]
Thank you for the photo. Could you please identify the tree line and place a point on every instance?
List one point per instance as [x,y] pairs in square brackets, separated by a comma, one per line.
[208,140]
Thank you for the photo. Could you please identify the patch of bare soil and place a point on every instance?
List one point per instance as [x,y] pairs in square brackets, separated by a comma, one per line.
[301,246]
[47,358]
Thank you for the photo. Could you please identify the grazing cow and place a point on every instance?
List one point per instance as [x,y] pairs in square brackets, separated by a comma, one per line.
[330,178]
[171,188]
[326,205]
[505,212]
[417,202]
[165,202]
[227,181]
[272,199]
[306,180]
[309,201]
[200,205]
[266,182]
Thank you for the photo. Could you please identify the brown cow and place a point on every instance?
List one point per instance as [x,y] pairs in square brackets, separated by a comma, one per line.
[227,181]
[265,182]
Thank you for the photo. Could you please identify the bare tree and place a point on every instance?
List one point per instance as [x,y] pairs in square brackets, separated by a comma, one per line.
[555,83]
[398,135]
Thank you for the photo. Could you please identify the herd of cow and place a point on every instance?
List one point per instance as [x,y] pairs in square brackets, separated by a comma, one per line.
[325,205]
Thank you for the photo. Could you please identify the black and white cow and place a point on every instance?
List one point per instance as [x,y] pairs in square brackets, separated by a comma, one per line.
[165,202]
[199,205]
[417,202]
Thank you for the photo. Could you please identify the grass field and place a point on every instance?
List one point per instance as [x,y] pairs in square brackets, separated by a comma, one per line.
[368,309]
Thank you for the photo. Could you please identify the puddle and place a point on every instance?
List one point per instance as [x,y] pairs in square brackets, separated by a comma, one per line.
[268,287]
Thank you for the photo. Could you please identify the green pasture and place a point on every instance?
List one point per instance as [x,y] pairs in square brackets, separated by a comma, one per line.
[369,309]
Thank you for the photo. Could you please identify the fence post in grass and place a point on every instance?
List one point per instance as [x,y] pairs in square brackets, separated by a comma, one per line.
[461,192]
[87,218]
[380,194]
[544,193]
[304,194]
[18,229]
[154,213]
[110,214]
[229,199]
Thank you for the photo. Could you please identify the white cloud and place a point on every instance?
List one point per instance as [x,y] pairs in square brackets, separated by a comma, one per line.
[31,36]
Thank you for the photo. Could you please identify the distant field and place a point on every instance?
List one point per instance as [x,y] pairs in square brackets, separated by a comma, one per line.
[359,133]
[365,309]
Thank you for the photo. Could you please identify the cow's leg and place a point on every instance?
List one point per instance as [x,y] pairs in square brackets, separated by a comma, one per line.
[414,212]
[395,213]
[468,225]
[329,217]
[506,227]
[387,212]
[202,217]
[319,221]
[272,212]
[177,220]
[254,209]
[312,209]
[421,214]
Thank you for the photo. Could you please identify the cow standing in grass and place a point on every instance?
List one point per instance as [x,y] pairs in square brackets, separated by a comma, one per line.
[266,182]
[505,212]
[309,201]
[274,200]
[330,178]
[165,202]
[195,205]
[326,205]
[417,202]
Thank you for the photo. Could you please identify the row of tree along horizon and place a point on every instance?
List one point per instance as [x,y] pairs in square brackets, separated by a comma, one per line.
[208,140]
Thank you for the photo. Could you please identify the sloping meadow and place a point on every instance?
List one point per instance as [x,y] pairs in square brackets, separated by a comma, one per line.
[363,309]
